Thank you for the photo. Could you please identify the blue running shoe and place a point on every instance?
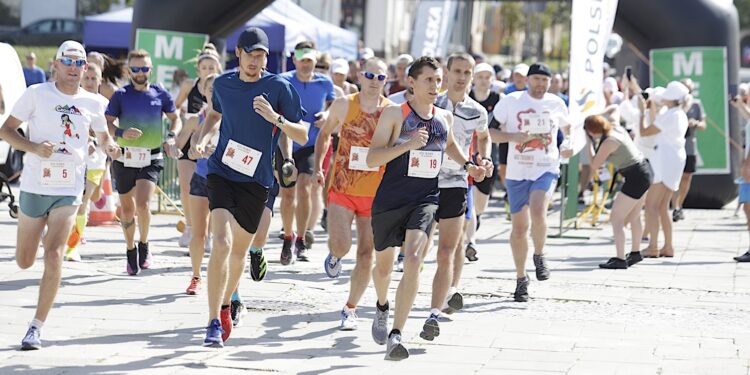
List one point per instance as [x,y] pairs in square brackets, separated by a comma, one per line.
[332,266]
[213,335]
[32,340]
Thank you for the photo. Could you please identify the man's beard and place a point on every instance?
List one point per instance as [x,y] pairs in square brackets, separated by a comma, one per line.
[140,81]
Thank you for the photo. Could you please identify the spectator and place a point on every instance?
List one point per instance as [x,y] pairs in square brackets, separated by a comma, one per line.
[555,87]
[112,75]
[519,79]
[339,72]
[744,179]
[696,121]
[399,84]
[32,73]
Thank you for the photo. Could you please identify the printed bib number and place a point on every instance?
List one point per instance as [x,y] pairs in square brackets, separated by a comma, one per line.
[358,159]
[450,164]
[424,164]
[137,157]
[537,123]
[241,158]
[58,174]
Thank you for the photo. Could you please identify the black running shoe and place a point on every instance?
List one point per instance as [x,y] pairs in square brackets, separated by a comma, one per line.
[144,256]
[258,265]
[542,272]
[522,290]
[615,264]
[634,257]
[300,250]
[237,310]
[286,251]
[132,264]
[743,258]
[309,239]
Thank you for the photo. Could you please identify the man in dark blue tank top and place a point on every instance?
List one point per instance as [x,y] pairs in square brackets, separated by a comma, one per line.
[249,103]
[411,140]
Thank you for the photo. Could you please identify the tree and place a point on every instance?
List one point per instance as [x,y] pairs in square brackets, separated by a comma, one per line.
[743,11]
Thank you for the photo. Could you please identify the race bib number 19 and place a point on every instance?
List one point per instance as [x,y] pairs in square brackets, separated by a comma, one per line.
[358,159]
[58,174]
[241,158]
[424,164]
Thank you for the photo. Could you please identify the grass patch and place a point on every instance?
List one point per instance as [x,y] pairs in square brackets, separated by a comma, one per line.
[43,54]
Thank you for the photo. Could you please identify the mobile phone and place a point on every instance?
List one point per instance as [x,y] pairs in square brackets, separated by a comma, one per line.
[645,95]
[732,91]
[629,72]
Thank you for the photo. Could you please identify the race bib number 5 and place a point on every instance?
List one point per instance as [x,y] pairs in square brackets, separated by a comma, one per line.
[241,158]
[58,173]
[424,164]
[358,159]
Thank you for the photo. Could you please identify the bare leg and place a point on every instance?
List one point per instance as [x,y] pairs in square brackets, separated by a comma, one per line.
[636,228]
[60,222]
[287,207]
[621,211]
[144,191]
[127,219]
[261,235]
[653,198]
[458,258]
[218,269]
[360,278]
[340,230]
[185,170]
[450,232]
[241,241]
[316,205]
[519,242]
[381,274]
[304,202]
[666,223]
[200,213]
[538,202]
[409,285]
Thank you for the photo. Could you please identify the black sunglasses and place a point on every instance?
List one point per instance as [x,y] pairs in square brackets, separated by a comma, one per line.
[136,69]
[368,75]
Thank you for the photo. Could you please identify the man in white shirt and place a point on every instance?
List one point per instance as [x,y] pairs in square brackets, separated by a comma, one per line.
[529,122]
[59,116]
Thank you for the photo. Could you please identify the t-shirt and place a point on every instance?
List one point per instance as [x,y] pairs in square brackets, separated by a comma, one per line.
[142,110]
[34,75]
[512,88]
[393,87]
[540,155]
[398,98]
[695,112]
[489,104]
[468,117]
[233,98]
[670,140]
[314,94]
[63,120]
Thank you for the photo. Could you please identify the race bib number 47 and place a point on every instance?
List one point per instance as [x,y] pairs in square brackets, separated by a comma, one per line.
[241,158]
[424,164]
[58,174]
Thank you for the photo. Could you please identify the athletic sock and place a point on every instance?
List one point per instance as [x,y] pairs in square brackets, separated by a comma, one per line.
[435,312]
[350,306]
[236,296]
[382,307]
[394,332]
[255,250]
[36,323]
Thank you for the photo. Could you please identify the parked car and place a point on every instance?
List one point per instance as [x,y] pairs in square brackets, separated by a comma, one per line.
[46,32]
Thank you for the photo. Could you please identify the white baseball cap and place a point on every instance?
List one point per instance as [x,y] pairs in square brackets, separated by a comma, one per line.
[521,69]
[71,48]
[340,66]
[484,67]
[675,91]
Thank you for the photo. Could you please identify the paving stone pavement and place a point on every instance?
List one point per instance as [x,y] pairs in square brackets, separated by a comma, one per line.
[685,315]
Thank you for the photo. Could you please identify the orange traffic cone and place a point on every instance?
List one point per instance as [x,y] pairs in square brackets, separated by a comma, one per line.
[103,211]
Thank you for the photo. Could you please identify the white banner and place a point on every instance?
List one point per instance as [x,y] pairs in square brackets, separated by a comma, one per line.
[591,22]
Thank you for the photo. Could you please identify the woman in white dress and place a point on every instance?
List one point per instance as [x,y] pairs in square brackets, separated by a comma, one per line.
[668,161]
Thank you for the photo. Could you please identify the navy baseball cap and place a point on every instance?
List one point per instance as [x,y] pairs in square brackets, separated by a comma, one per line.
[252,39]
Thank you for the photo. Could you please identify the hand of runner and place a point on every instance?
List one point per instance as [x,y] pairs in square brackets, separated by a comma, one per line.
[132,133]
[489,168]
[320,178]
[263,108]
[171,149]
[113,151]
[44,149]
[418,139]
[197,151]
[476,172]
[321,118]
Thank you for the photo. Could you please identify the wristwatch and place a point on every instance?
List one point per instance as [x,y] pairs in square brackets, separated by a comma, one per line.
[170,134]
[280,121]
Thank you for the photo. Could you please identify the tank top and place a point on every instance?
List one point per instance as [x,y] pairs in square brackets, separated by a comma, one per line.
[355,135]
[194,99]
[627,152]
[397,189]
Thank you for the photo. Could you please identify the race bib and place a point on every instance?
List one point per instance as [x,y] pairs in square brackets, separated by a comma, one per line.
[58,173]
[241,158]
[137,157]
[424,164]
[450,164]
[358,159]
[537,123]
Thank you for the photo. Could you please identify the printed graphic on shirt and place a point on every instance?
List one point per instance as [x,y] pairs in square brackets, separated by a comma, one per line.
[538,141]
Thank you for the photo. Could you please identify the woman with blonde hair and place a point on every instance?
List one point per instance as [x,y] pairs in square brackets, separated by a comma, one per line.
[616,147]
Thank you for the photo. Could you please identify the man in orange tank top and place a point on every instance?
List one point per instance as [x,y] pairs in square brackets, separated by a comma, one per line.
[353,183]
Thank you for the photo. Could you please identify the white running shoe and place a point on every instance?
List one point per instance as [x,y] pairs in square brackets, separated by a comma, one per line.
[348,319]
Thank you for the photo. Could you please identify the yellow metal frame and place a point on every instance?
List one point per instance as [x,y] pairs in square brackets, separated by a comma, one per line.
[596,208]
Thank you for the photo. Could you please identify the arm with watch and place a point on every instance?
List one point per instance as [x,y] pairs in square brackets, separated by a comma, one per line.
[170,144]
[483,151]
[295,131]
[451,148]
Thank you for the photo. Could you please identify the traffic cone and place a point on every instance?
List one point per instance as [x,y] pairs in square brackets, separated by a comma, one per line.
[103,211]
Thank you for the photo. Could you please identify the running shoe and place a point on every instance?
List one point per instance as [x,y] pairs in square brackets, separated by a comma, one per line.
[395,351]
[633,257]
[431,328]
[72,254]
[300,250]
[400,263]
[144,256]
[194,287]
[286,251]
[184,240]
[542,272]
[258,265]
[309,239]
[132,262]
[615,264]
[380,326]
[32,340]
[743,258]
[522,290]
[454,303]
[214,335]
[226,323]
[471,253]
[348,319]
[332,266]
[238,311]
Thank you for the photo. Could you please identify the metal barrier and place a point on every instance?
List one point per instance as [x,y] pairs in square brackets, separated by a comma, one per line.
[168,201]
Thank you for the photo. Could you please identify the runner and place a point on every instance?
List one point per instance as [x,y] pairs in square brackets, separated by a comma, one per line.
[468,117]
[207,63]
[615,146]
[96,164]
[304,200]
[240,170]
[529,122]
[53,176]
[139,107]
[410,140]
[353,183]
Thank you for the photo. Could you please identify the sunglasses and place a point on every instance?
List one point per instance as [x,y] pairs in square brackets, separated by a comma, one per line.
[136,69]
[368,75]
[67,61]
